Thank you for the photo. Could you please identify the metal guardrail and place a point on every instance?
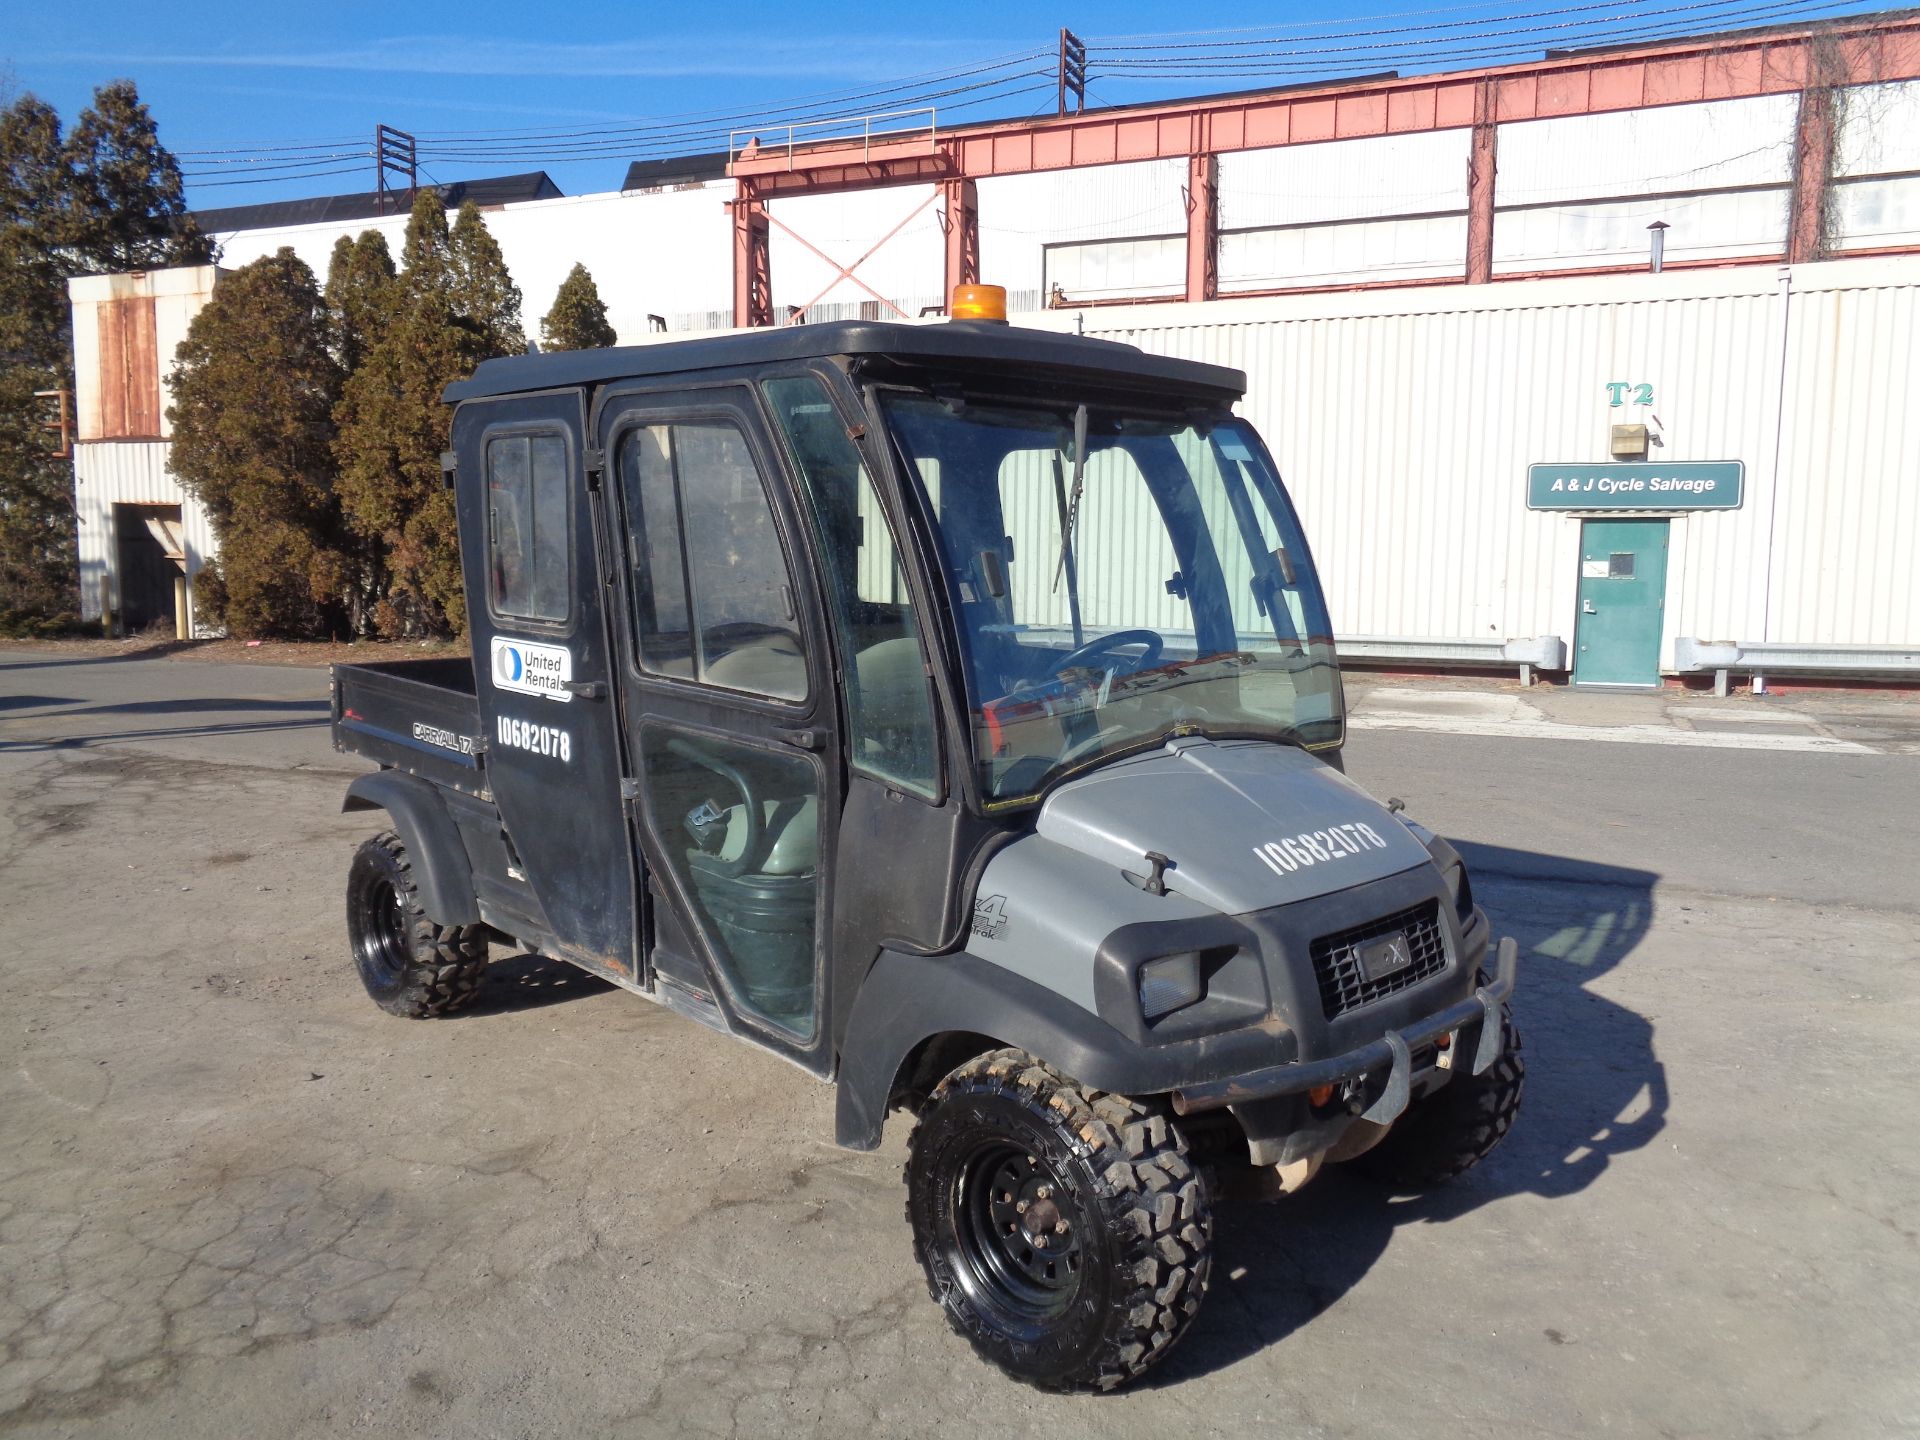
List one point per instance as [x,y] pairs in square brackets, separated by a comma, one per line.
[805,132]
[1539,652]
[1760,658]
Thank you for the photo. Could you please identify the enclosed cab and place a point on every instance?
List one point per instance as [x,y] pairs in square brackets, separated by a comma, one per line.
[953,711]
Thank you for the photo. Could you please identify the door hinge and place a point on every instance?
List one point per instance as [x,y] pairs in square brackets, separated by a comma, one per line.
[630,798]
[594,461]
[449,462]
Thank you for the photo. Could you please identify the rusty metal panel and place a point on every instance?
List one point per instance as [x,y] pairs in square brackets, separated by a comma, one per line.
[129,370]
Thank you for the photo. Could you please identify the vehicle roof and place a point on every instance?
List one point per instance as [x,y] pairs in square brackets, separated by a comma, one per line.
[961,343]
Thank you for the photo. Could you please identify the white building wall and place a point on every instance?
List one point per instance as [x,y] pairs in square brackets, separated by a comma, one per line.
[667,253]
[1567,174]
[1308,214]
[1404,423]
[1876,164]
[1100,232]
[896,230]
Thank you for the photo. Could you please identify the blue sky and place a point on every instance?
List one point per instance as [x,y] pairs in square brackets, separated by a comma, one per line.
[231,77]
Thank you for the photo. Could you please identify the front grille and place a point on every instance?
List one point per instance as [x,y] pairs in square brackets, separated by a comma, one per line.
[1336,958]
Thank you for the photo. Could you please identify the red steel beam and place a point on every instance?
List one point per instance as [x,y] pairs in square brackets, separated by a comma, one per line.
[961,221]
[752,261]
[1480,186]
[1203,226]
[1726,67]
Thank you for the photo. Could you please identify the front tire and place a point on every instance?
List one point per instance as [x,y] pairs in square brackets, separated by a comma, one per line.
[1063,1231]
[1451,1131]
[410,965]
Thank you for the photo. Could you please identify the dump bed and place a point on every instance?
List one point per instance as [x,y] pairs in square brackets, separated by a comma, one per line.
[421,716]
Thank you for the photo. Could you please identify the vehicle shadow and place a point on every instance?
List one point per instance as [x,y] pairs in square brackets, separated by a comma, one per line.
[1595,1091]
[529,982]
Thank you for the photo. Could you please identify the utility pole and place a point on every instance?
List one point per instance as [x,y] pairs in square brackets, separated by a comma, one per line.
[396,151]
[1073,71]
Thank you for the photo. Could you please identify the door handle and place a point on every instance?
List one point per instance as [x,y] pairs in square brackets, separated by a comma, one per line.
[585,689]
[806,737]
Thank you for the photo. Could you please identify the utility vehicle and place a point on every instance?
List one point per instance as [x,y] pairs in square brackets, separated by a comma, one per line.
[951,710]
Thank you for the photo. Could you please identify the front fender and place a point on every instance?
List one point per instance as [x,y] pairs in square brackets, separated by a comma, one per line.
[441,870]
[907,999]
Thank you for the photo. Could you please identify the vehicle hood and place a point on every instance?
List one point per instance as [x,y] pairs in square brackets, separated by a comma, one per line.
[1246,825]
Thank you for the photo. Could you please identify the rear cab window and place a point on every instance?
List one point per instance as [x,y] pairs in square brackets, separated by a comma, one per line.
[529,560]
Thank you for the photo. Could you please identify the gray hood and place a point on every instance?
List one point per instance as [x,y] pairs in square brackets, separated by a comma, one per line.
[1247,825]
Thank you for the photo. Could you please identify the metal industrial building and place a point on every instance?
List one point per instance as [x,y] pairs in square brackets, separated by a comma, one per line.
[1434,283]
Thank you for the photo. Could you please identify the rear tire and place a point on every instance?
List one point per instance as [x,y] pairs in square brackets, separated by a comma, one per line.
[1063,1231]
[409,965]
[1445,1135]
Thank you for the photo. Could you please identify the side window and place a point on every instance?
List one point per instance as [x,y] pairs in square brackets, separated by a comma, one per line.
[528,555]
[889,711]
[713,598]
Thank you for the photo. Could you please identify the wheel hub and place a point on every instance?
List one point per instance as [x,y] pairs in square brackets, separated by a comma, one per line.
[1018,1229]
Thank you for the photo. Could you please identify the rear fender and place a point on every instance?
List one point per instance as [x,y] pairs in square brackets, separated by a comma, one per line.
[441,870]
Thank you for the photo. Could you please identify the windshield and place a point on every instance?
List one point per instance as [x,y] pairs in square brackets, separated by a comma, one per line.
[1118,578]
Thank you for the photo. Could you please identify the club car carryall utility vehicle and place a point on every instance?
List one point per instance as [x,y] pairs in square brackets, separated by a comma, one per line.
[951,710]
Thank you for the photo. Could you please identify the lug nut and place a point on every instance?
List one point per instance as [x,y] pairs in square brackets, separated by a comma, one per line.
[1045,1192]
[1059,1227]
[1021,1208]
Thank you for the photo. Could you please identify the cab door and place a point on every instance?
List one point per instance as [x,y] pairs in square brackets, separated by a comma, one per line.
[730,714]
[560,872]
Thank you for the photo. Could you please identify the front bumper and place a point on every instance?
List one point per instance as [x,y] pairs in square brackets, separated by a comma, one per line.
[1393,1051]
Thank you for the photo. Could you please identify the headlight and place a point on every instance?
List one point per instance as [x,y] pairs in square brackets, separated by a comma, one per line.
[1169,983]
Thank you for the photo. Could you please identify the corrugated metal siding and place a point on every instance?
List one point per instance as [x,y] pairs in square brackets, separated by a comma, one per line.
[1404,424]
[127,472]
[1848,525]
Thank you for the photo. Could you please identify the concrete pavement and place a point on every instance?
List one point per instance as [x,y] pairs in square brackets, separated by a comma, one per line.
[235,1198]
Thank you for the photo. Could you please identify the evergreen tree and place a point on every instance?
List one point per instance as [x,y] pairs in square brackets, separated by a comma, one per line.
[393,428]
[360,296]
[129,206]
[481,290]
[104,198]
[35,187]
[578,319]
[254,395]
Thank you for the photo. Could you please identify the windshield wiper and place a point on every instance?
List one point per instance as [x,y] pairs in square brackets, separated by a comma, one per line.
[1070,515]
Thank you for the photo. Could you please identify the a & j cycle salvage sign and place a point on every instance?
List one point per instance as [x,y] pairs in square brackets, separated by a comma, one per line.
[1636,485]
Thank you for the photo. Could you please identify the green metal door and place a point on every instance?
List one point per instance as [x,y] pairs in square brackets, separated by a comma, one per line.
[1623,596]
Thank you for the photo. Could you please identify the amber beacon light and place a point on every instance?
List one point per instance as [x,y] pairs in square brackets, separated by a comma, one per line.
[979,302]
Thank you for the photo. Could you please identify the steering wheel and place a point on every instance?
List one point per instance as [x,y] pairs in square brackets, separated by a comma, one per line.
[1100,644]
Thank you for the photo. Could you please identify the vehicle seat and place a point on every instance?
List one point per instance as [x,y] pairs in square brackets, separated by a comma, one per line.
[789,837]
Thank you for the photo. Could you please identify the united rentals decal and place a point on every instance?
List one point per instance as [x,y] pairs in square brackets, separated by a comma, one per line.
[531,669]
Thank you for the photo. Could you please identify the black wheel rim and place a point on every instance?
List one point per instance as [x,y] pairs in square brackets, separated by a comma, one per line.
[382,945]
[1019,1236]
